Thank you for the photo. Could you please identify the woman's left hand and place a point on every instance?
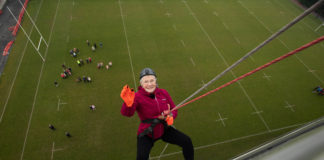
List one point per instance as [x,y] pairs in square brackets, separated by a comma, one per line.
[167,112]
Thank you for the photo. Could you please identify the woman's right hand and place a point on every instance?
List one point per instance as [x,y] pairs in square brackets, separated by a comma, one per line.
[128,95]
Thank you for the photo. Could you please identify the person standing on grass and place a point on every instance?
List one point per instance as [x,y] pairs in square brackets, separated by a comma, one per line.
[56,84]
[153,106]
[68,134]
[50,126]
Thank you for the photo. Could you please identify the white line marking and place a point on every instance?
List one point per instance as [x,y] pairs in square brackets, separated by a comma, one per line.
[229,141]
[165,147]
[215,13]
[71,17]
[59,103]
[203,84]
[266,77]
[174,27]
[183,44]
[311,70]
[192,61]
[257,112]
[53,147]
[55,150]
[317,28]
[307,25]
[225,26]
[206,1]
[237,40]
[20,61]
[161,1]
[37,88]
[252,58]
[128,49]
[266,27]
[291,107]
[224,60]
[221,119]
[168,14]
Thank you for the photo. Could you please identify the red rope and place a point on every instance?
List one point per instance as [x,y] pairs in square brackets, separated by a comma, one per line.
[254,71]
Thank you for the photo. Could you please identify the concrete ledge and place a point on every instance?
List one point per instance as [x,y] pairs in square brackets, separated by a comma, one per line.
[2,4]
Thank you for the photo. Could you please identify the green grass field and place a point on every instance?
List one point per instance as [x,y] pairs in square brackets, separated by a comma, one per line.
[187,44]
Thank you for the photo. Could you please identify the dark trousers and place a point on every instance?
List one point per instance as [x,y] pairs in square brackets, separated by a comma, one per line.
[172,136]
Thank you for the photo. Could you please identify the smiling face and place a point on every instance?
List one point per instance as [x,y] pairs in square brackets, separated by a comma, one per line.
[148,83]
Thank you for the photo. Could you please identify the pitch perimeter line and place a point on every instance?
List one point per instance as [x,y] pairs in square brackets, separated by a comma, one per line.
[126,37]
[20,61]
[230,140]
[39,79]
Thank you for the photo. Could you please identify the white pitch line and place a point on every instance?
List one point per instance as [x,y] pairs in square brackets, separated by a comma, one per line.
[266,27]
[192,61]
[237,40]
[183,44]
[257,112]
[224,60]
[311,70]
[290,106]
[161,1]
[128,49]
[221,119]
[314,74]
[215,13]
[224,24]
[53,149]
[203,84]
[67,38]
[174,27]
[266,77]
[18,68]
[168,14]
[58,104]
[292,15]
[229,141]
[39,79]
[161,154]
[206,1]
[71,17]
[252,58]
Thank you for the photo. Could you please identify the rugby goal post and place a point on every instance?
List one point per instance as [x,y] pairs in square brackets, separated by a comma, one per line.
[41,39]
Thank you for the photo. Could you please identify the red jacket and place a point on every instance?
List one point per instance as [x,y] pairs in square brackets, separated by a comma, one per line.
[149,107]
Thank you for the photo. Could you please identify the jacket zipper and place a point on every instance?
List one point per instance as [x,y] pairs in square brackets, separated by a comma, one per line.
[158,108]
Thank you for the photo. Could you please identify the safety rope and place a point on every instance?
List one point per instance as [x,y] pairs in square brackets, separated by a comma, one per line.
[273,36]
[255,70]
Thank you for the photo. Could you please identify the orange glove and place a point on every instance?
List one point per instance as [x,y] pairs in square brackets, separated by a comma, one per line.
[128,95]
[169,120]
